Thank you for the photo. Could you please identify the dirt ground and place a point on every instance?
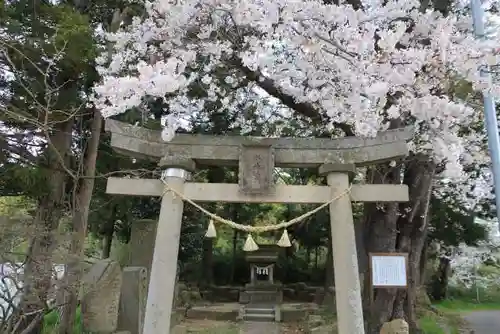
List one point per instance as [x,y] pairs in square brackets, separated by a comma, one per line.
[223,327]
[204,326]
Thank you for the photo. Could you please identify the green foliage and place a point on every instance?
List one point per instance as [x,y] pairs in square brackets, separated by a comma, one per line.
[51,321]
[451,226]
[474,296]
[489,270]
[16,206]
[288,269]
[19,180]
[15,220]
[74,35]
[50,49]
[92,247]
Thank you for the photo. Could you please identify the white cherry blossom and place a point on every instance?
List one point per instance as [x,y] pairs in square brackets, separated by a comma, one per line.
[361,67]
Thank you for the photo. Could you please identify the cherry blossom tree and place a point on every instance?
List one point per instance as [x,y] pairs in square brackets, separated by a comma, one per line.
[465,260]
[357,69]
[360,67]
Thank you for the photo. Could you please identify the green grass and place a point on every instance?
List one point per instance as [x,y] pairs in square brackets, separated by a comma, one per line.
[438,323]
[448,313]
[429,325]
[51,320]
[456,305]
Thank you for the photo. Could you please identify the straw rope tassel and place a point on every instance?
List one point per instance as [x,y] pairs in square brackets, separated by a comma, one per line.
[211,233]
[284,240]
[250,245]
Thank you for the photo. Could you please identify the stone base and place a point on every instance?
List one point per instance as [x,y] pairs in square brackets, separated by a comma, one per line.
[264,286]
[212,313]
[288,313]
[261,297]
[259,293]
[277,313]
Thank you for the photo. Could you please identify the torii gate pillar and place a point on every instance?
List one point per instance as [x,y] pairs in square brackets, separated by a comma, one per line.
[164,265]
[347,285]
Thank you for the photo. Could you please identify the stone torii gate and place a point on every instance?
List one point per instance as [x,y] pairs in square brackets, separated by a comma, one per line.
[256,158]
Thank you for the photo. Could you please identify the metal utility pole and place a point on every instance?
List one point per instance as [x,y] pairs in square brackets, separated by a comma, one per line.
[490,115]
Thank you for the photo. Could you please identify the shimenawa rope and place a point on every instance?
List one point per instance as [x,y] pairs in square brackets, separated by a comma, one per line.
[254,229]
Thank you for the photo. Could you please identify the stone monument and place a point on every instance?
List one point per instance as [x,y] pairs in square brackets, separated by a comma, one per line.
[101,296]
[133,299]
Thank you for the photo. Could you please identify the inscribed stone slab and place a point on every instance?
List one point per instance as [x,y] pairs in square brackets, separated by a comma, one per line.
[256,168]
[133,300]
[142,243]
[101,296]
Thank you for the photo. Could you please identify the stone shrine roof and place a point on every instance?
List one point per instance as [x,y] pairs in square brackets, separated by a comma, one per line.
[265,254]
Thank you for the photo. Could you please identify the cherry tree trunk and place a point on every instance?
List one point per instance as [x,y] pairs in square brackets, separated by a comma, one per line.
[398,228]
[440,280]
[424,258]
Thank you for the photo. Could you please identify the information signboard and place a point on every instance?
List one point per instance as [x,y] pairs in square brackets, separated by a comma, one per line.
[389,270]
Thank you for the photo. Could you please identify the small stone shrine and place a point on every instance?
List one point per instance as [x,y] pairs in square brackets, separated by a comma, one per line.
[263,296]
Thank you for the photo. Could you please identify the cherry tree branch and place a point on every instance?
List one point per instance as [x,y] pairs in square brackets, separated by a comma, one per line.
[305,109]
